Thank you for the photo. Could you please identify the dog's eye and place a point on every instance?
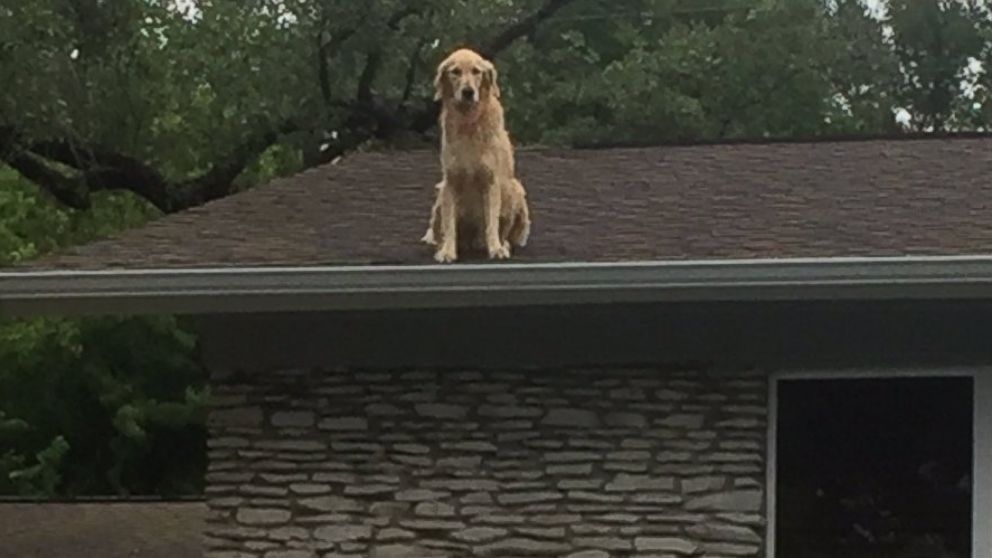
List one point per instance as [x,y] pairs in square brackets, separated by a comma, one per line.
[456,72]
[476,71]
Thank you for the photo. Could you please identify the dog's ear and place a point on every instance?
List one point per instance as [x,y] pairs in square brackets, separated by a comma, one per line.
[491,78]
[440,83]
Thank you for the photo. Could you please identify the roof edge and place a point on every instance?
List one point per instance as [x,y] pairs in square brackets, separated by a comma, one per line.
[605,145]
[307,289]
[775,140]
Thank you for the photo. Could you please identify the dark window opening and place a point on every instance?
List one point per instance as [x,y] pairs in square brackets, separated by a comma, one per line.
[874,468]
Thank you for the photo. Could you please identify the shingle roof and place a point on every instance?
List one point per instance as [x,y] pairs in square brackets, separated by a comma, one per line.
[105,530]
[881,197]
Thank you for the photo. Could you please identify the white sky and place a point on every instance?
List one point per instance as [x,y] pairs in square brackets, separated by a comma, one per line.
[876,6]
[184,6]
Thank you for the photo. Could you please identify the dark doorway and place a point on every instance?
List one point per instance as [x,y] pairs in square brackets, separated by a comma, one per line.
[874,468]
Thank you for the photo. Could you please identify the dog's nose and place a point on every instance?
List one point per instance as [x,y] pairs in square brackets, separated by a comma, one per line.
[468,93]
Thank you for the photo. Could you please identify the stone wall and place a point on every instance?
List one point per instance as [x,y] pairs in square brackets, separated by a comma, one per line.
[580,463]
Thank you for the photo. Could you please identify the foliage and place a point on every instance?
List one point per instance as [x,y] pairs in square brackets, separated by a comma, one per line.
[115,111]
[31,224]
[116,406]
[178,105]
[95,406]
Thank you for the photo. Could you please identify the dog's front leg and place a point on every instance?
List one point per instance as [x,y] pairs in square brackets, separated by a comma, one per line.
[429,236]
[494,198]
[433,234]
[448,251]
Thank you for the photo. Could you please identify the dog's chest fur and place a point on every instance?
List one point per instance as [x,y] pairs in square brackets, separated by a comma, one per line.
[465,156]
[473,148]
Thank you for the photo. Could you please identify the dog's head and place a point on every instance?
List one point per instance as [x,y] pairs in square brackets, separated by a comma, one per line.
[466,79]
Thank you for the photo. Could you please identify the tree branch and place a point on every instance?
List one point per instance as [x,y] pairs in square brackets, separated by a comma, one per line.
[365,108]
[426,118]
[83,157]
[100,169]
[374,59]
[366,112]
[326,50]
[499,43]
[68,191]
[91,169]
[372,64]
[8,141]
[323,72]
[219,180]
[411,74]
[334,43]
[412,9]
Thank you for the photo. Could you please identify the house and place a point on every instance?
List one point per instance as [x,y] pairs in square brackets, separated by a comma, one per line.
[771,349]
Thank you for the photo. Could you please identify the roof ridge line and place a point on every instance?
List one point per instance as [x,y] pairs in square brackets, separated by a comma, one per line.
[798,140]
[703,142]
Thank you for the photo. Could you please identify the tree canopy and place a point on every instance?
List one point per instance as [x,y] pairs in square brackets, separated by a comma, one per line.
[183,102]
[116,111]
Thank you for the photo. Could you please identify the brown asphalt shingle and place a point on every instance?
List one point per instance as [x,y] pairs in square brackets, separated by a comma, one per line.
[815,199]
[102,530]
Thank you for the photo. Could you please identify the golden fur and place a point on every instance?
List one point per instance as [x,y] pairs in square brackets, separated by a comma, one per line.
[479,189]
[514,221]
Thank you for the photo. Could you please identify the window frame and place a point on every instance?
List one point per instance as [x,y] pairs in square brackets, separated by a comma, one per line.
[981,504]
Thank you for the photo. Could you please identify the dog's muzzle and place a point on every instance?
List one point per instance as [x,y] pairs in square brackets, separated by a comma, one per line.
[468,94]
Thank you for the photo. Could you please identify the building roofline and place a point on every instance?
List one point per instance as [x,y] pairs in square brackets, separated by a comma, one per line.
[595,145]
[773,140]
[305,289]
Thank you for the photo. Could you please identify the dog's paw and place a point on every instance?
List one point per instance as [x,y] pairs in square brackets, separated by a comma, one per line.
[445,255]
[428,237]
[500,251]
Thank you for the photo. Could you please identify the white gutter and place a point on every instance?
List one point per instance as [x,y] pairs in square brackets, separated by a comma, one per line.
[258,289]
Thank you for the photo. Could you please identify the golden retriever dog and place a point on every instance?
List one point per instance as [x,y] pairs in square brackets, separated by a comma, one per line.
[479,185]
[514,221]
